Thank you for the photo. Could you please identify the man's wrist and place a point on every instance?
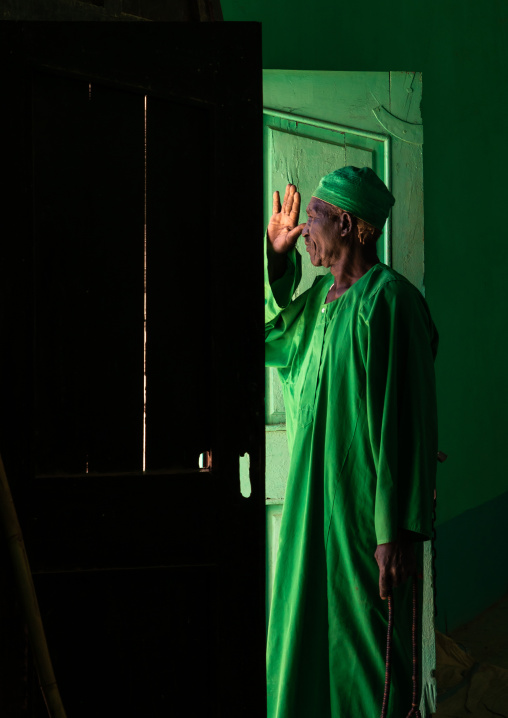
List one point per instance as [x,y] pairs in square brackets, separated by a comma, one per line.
[277,264]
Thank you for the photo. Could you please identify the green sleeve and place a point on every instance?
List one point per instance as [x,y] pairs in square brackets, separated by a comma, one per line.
[400,342]
[281,314]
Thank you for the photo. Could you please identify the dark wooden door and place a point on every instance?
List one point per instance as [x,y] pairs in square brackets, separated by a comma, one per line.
[131,320]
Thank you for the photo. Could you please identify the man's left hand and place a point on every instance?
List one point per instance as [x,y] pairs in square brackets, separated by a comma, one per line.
[396,561]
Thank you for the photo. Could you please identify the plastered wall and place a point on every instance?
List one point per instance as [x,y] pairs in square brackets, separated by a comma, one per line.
[462,48]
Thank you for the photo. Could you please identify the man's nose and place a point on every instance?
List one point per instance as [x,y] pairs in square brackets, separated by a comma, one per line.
[305,230]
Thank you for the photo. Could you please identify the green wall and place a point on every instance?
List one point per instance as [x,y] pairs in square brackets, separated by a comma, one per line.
[462,48]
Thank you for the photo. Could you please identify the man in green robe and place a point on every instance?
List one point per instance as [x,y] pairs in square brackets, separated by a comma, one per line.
[355,356]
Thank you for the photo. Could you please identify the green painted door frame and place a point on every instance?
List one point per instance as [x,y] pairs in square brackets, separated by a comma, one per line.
[315,122]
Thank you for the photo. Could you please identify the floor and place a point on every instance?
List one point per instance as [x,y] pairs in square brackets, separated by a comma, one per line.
[486,638]
[472,667]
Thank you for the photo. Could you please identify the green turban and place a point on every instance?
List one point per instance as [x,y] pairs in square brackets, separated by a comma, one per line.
[357,190]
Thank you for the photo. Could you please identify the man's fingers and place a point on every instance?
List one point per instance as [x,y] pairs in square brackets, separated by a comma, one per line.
[385,583]
[295,209]
[396,561]
[286,196]
[294,234]
[404,567]
[396,578]
[276,203]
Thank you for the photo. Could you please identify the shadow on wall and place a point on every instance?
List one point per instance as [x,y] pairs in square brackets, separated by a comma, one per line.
[469,574]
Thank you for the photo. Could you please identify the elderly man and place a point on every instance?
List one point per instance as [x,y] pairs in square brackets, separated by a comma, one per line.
[355,355]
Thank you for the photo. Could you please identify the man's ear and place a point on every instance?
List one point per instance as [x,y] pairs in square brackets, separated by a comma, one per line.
[346,225]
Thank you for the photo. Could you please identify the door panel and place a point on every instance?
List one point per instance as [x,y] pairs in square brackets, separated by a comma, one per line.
[136,644]
[273,519]
[178,352]
[88,226]
[150,582]
[301,150]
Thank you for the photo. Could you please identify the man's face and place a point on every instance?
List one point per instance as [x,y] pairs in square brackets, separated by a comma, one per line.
[322,234]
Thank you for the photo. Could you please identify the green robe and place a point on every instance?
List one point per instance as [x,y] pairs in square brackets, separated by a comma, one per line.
[359,389]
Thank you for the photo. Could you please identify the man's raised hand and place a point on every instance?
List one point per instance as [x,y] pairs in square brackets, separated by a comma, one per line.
[283,228]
